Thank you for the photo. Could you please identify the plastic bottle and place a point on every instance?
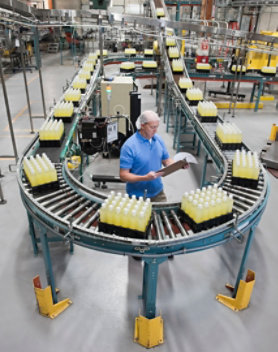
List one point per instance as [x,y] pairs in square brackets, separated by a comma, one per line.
[198,218]
[117,217]
[230,203]
[103,213]
[132,224]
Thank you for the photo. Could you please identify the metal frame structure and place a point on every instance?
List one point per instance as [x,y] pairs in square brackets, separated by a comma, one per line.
[72,213]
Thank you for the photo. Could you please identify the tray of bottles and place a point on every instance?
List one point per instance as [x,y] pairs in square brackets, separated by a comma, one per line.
[245,182]
[50,186]
[207,118]
[127,69]
[52,142]
[193,102]
[123,231]
[227,146]
[205,225]
[76,103]
[64,118]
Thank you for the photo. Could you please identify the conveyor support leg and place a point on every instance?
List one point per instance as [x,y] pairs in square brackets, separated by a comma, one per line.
[203,180]
[47,261]
[243,289]
[243,293]
[32,234]
[45,300]
[148,330]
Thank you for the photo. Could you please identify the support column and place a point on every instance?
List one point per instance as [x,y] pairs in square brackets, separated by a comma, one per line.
[159,86]
[244,258]
[203,181]
[32,234]
[260,90]
[165,102]
[253,92]
[25,82]
[47,261]
[150,277]
[8,111]
[178,12]
[38,63]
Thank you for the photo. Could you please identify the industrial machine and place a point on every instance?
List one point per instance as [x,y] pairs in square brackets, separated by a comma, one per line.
[119,96]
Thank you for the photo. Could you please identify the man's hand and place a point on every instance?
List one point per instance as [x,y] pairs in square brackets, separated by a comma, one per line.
[153,175]
[186,166]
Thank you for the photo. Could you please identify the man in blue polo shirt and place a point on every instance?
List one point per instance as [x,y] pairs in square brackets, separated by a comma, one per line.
[142,155]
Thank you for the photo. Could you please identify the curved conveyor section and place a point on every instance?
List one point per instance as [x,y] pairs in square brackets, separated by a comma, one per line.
[72,212]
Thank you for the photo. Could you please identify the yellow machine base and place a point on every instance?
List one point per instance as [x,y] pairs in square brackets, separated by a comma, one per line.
[45,301]
[148,332]
[239,105]
[243,294]
[267,98]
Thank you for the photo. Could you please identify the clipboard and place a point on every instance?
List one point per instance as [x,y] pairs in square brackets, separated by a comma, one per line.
[173,167]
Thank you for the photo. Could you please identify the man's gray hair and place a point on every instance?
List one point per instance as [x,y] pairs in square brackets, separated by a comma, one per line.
[145,117]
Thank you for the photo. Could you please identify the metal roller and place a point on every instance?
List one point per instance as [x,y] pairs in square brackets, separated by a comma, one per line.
[181,228]
[240,193]
[76,210]
[159,236]
[63,202]
[50,195]
[70,206]
[161,227]
[90,221]
[56,199]
[250,190]
[83,215]
[168,224]
[241,205]
[244,200]
[237,209]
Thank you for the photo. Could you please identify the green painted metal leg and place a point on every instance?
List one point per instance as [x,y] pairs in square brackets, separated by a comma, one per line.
[47,261]
[150,277]
[32,234]
[169,112]
[177,129]
[198,147]
[244,259]
[71,247]
[253,92]
[260,91]
[203,181]
[165,103]
[178,12]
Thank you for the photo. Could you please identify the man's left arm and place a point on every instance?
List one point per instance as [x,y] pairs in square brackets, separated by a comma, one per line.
[167,162]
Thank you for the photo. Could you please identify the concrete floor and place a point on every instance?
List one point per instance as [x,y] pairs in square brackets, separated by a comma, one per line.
[104,288]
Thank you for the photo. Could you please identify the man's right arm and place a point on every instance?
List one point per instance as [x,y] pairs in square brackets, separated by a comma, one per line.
[127,176]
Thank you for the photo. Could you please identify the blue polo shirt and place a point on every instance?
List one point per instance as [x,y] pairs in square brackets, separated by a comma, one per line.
[141,156]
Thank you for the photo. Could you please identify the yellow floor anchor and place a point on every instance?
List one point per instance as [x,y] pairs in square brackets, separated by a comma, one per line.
[243,294]
[148,332]
[45,300]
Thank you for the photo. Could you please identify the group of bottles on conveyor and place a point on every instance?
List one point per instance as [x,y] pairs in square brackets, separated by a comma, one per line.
[63,109]
[207,108]
[73,94]
[228,133]
[194,94]
[51,130]
[246,165]
[126,212]
[209,203]
[39,170]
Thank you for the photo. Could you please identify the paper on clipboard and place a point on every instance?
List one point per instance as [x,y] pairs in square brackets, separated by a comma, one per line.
[173,167]
[185,156]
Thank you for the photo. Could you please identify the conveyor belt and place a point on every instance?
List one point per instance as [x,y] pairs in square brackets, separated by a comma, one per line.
[72,211]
